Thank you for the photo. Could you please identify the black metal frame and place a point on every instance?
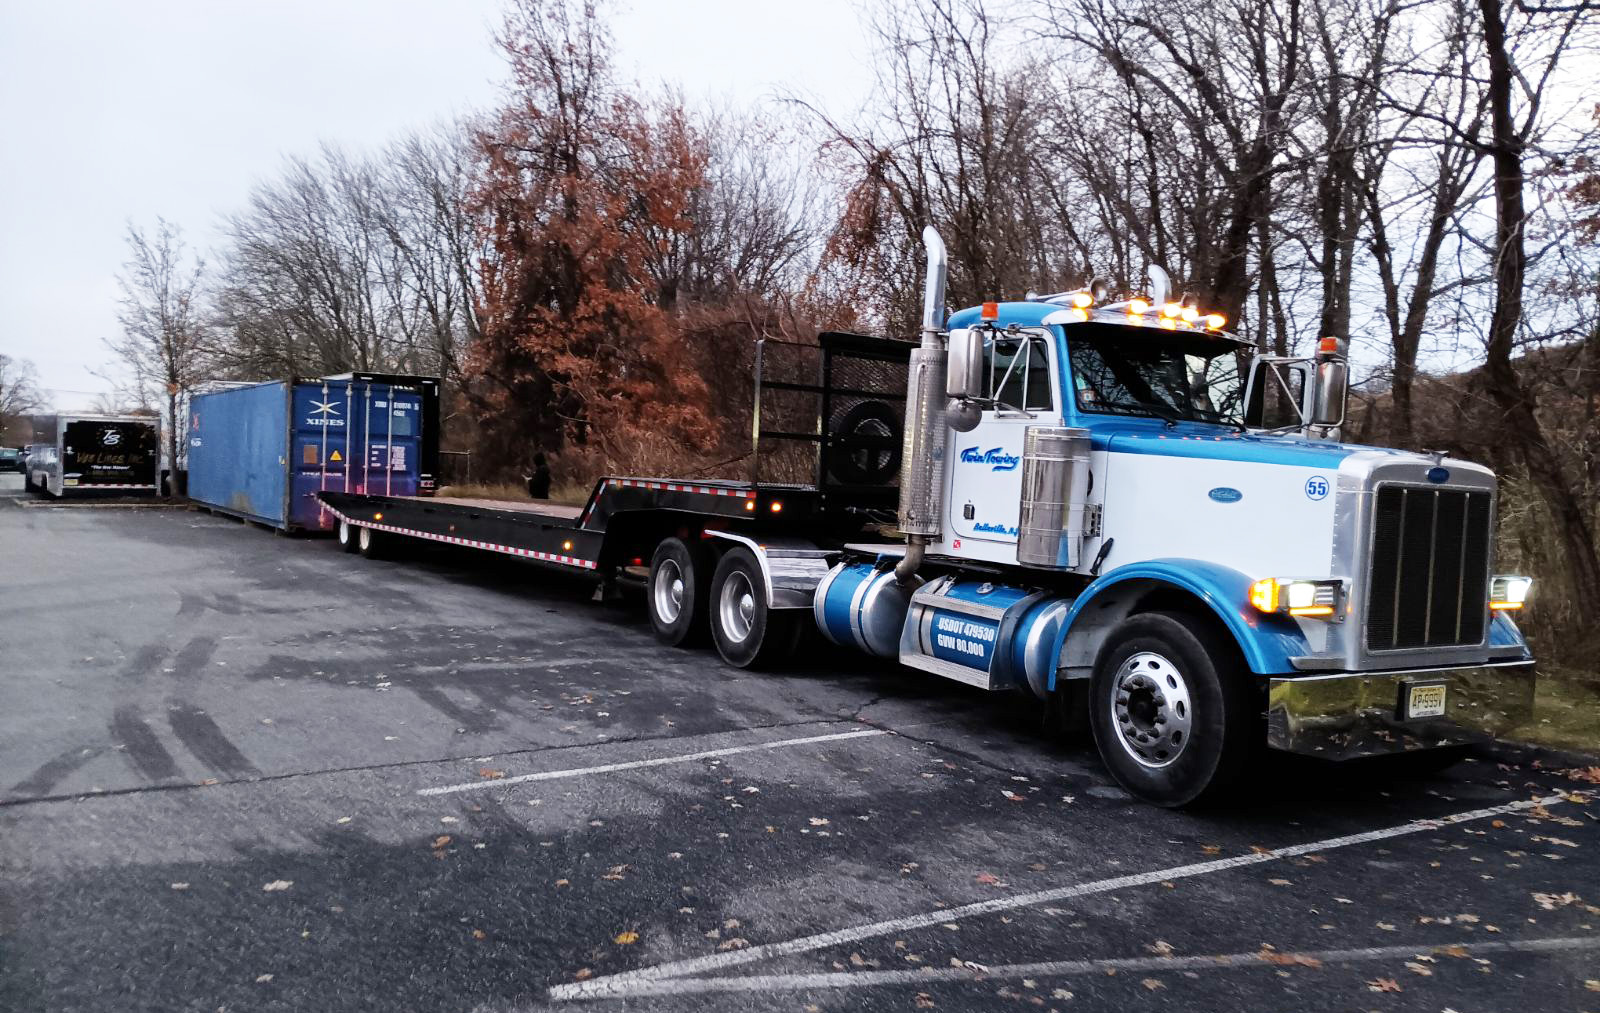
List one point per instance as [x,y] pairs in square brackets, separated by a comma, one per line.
[833,347]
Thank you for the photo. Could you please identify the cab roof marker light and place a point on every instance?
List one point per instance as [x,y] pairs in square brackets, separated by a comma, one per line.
[1215,321]
[1138,306]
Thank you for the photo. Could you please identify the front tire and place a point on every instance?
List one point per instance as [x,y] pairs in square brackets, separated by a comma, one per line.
[748,632]
[678,591]
[348,537]
[1171,709]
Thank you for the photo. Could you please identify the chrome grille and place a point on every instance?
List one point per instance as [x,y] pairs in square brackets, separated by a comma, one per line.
[1429,582]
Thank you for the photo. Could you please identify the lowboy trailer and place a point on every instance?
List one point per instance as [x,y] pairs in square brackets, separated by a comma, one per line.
[1085,500]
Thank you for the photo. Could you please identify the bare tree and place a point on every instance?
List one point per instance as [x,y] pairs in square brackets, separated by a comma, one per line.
[19,392]
[164,332]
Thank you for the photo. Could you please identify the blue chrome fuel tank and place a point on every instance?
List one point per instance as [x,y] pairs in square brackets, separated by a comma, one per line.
[993,636]
[861,605]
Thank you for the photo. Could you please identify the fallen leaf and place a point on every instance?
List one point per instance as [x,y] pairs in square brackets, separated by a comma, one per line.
[262,979]
[489,773]
[989,879]
[448,819]
[278,884]
[1384,985]
[818,821]
[736,943]
[583,972]
[1551,901]
[1592,984]
[344,819]
[1011,795]
[1270,956]
[924,1000]
[479,934]
[1417,968]
[1152,984]
[441,840]
[180,886]
[1160,948]
[1591,775]
[626,938]
[1279,882]
[1060,993]
[1211,849]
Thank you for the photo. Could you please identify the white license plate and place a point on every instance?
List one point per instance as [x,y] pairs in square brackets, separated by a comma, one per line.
[1425,701]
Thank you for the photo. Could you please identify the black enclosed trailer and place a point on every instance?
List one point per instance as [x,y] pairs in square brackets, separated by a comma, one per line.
[822,472]
[94,454]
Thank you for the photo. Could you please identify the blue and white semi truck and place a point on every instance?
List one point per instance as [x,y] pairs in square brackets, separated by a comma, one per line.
[1108,505]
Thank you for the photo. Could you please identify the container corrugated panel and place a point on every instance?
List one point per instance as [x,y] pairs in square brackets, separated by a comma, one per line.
[238,451]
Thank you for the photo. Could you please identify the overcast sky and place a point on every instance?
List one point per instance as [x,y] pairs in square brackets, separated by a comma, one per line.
[114,111]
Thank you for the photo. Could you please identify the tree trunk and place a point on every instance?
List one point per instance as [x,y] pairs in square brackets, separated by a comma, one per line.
[1519,417]
[173,425]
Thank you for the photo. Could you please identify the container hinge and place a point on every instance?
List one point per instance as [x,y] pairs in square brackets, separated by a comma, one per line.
[1091,520]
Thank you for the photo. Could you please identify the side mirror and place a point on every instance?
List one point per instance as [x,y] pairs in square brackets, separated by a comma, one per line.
[1333,379]
[964,375]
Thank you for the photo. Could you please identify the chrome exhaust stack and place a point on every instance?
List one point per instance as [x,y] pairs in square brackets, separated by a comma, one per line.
[922,452]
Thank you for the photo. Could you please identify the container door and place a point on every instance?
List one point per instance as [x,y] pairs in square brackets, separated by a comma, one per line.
[394,440]
[319,451]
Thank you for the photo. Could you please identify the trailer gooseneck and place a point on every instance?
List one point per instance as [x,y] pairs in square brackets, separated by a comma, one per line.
[1078,499]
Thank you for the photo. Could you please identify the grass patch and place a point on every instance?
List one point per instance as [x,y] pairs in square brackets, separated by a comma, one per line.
[1566,711]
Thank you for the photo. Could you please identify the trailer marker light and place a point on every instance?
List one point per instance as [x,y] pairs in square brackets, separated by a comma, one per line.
[566,546]
[749,504]
[637,561]
[377,517]
[777,506]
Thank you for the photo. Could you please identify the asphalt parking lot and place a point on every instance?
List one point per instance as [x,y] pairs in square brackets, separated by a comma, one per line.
[246,772]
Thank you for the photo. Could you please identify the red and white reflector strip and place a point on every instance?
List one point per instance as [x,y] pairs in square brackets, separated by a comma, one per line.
[472,543]
[704,490]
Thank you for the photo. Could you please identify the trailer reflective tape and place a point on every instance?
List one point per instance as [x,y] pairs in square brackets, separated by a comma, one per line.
[704,490]
[471,543]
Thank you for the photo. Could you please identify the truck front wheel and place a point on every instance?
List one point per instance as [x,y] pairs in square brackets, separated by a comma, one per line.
[680,582]
[748,632]
[1172,714]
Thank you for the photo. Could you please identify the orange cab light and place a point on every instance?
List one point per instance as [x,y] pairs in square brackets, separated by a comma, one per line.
[1312,610]
[1171,309]
[1328,345]
[1264,594]
[1191,314]
[1505,606]
[1082,300]
[1216,321]
[991,311]
[1078,315]
[1138,307]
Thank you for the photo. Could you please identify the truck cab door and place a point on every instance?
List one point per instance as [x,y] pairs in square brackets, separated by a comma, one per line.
[986,463]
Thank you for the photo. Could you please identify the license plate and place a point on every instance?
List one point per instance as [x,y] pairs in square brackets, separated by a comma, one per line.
[1425,701]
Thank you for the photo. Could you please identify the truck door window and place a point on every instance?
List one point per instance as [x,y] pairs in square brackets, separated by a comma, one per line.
[1018,368]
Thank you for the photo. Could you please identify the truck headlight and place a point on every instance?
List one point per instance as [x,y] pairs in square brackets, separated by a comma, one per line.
[1507,592]
[1309,599]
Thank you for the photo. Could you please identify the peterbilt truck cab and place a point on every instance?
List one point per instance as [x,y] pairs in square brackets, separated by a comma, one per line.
[1099,510]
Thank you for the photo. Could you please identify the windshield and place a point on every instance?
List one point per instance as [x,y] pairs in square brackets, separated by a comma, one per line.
[1193,377]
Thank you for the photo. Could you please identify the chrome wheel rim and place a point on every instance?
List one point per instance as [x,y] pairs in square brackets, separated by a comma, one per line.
[1151,709]
[666,591]
[344,533]
[736,607]
[365,538]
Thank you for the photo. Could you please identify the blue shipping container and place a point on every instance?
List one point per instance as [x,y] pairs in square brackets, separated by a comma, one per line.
[263,452]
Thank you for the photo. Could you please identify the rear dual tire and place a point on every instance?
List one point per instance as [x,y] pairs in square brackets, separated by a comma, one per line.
[748,632]
[349,536]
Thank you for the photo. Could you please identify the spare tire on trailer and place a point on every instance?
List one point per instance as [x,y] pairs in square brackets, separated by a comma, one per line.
[864,448]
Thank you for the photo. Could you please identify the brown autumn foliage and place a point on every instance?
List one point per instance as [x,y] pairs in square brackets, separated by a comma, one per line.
[581,182]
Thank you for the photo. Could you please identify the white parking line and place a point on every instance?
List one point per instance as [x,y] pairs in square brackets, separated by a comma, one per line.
[618,984]
[656,761]
[1067,968]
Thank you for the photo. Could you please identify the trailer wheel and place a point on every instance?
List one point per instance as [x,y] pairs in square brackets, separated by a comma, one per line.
[1172,715]
[369,543]
[748,633]
[680,584]
[348,536]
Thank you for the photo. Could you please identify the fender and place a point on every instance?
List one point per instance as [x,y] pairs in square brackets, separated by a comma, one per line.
[1267,642]
[791,568]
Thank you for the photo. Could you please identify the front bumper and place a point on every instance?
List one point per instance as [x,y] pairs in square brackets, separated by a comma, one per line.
[1348,715]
